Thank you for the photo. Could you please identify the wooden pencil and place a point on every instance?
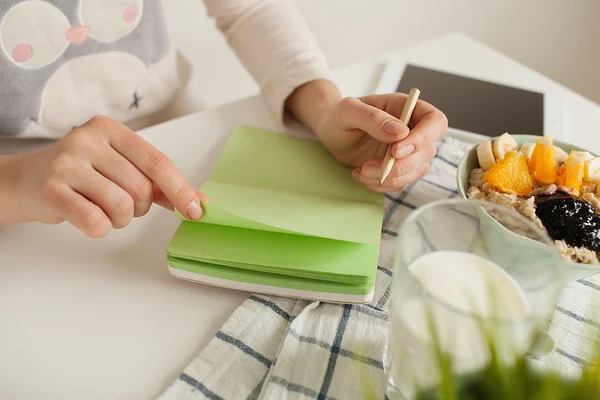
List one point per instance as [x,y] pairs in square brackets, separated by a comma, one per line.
[409,106]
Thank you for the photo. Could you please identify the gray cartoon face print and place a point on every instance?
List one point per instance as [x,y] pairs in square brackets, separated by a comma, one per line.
[64,61]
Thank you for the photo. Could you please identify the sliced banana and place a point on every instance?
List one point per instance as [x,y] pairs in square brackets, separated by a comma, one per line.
[591,170]
[560,156]
[485,155]
[546,141]
[527,150]
[578,156]
[504,144]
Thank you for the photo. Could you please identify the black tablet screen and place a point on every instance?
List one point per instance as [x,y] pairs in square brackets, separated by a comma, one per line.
[477,106]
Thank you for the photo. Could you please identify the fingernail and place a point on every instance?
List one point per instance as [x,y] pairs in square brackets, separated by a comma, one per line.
[194,211]
[394,127]
[370,171]
[405,151]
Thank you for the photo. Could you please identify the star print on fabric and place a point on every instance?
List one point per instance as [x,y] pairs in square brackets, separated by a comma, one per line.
[136,101]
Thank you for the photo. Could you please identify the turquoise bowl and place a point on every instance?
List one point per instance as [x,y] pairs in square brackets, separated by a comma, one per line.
[574,271]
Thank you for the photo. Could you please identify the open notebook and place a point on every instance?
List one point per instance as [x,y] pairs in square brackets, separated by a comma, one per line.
[286,219]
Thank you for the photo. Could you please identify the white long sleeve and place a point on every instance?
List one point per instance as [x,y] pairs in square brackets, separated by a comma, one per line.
[273,42]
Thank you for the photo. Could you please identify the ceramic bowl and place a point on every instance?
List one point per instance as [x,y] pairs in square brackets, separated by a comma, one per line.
[469,162]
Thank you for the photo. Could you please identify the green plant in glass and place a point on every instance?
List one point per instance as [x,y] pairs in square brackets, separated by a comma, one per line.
[519,380]
[499,380]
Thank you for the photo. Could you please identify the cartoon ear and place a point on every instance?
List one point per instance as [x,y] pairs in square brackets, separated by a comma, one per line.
[32,34]
[111,20]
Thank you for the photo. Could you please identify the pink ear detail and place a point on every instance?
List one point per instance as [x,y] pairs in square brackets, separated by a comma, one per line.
[22,53]
[130,14]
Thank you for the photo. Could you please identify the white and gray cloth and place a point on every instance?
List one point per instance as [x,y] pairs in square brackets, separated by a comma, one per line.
[281,348]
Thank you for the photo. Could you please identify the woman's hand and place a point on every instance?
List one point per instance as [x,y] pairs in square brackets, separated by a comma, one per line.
[358,131]
[97,178]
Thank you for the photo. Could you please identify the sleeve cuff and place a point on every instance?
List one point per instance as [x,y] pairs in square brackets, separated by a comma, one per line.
[277,90]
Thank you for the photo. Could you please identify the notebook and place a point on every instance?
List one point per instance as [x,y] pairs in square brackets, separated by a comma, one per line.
[286,219]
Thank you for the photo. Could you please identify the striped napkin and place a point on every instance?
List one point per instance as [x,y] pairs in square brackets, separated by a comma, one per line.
[281,348]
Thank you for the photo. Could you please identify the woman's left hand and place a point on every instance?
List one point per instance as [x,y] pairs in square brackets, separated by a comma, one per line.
[358,131]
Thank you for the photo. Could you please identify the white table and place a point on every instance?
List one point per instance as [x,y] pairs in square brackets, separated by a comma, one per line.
[84,318]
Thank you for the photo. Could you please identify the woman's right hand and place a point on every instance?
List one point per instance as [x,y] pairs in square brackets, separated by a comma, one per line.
[97,178]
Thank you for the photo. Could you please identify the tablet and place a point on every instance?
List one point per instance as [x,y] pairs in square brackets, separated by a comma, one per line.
[478,109]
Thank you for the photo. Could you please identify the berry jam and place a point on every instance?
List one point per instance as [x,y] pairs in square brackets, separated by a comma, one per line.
[572,220]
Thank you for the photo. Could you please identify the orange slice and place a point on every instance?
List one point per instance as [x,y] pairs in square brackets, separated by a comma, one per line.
[511,175]
[542,165]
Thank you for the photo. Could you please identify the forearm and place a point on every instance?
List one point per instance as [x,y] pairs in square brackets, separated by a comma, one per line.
[311,101]
[274,43]
[9,202]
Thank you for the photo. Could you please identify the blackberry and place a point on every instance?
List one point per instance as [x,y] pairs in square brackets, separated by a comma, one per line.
[572,220]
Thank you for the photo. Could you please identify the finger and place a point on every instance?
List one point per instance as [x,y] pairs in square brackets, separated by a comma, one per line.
[394,184]
[368,175]
[160,169]
[363,176]
[408,159]
[116,203]
[377,123]
[427,130]
[402,166]
[393,104]
[160,198]
[78,211]
[119,170]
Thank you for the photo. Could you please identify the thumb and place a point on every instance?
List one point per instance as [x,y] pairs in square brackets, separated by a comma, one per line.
[158,197]
[375,122]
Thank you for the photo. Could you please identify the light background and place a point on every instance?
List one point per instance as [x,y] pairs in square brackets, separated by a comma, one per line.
[560,39]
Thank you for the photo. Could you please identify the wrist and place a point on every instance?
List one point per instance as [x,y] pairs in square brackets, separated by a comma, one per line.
[311,102]
[10,205]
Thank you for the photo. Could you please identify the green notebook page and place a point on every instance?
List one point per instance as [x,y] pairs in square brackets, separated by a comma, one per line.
[272,181]
[300,198]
